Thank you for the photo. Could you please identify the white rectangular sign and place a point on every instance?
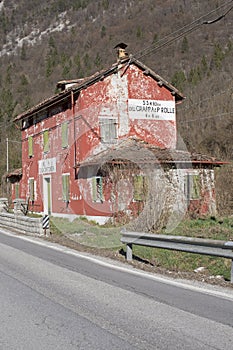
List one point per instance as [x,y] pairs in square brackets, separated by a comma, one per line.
[151,109]
[47,166]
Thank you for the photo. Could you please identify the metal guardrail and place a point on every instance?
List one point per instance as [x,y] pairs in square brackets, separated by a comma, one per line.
[223,249]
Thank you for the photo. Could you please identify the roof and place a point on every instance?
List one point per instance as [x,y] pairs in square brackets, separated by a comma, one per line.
[136,151]
[80,84]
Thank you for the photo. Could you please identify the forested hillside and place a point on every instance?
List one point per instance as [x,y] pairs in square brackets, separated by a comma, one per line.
[42,42]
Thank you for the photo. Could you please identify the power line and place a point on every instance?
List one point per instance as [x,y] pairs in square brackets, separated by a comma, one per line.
[191,104]
[209,117]
[170,38]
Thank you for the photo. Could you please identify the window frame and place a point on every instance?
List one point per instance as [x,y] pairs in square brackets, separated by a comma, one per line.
[66,187]
[65,134]
[108,130]
[46,146]
[140,189]
[192,187]
[97,189]
[30,147]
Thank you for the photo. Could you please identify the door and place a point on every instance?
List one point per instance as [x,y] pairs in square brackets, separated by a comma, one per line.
[47,195]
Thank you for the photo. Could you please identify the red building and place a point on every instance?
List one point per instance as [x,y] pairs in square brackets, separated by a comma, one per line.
[118,121]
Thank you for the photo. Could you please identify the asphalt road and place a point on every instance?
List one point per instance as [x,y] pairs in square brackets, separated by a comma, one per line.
[54,298]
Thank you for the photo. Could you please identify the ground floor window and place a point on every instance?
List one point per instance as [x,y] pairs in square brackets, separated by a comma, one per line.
[16,190]
[97,189]
[192,186]
[140,186]
[31,189]
[66,187]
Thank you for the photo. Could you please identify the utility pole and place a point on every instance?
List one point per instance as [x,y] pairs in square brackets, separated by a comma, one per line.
[7,155]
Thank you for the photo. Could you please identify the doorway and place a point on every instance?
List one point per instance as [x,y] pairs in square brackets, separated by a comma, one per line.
[47,195]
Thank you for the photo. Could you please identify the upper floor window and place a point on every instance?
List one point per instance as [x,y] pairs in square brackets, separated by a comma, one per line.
[46,141]
[192,186]
[64,135]
[30,146]
[108,130]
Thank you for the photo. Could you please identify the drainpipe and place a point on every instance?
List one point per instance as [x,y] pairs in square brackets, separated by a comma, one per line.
[74,132]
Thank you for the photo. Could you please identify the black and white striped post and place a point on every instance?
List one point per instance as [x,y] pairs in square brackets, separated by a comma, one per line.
[45,223]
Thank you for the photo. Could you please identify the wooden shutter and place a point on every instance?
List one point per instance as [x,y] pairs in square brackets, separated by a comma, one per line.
[64,134]
[16,190]
[140,183]
[30,146]
[195,190]
[46,141]
[97,189]
[108,130]
[94,189]
[66,187]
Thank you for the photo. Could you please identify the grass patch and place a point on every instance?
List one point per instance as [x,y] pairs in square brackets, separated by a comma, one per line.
[211,228]
[108,237]
[180,261]
[88,233]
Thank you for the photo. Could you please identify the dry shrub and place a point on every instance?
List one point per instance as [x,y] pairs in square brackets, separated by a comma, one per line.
[224,190]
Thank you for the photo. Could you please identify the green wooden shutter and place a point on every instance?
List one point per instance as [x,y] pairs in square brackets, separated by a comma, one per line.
[138,183]
[64,135]
[65,187]
[46,141]
[99,183]
[94,189]
[16,190]
[30,146]
[195,190]
[97,189]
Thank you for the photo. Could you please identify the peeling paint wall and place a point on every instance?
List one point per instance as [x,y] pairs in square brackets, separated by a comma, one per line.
[106,99]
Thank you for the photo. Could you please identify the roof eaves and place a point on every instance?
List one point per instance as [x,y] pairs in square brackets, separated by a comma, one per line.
[77,87]
[45,103]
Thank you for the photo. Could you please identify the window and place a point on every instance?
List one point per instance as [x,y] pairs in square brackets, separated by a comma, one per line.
[30,146]
[97,189]
[46,141]
[108,130]
[16,190]
[192,186]
[64,134]
[140,187]
[66,187]
[31,189]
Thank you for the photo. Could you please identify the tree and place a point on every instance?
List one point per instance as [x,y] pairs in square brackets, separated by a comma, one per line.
[179,79]
[184,45]
[218,56]
[103,32]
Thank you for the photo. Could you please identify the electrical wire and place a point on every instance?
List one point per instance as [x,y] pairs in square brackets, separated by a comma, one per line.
[209,117]
[170,38]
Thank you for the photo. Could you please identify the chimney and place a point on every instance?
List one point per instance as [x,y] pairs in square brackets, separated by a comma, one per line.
[121,53]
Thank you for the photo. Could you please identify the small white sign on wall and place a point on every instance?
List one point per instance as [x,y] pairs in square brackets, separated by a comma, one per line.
[151,109]
[47,166]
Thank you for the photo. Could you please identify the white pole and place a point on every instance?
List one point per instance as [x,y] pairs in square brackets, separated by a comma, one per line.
[7,156]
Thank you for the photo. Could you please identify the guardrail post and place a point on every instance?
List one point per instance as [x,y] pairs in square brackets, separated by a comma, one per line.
[232,271]
[45,225]
[129,251]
